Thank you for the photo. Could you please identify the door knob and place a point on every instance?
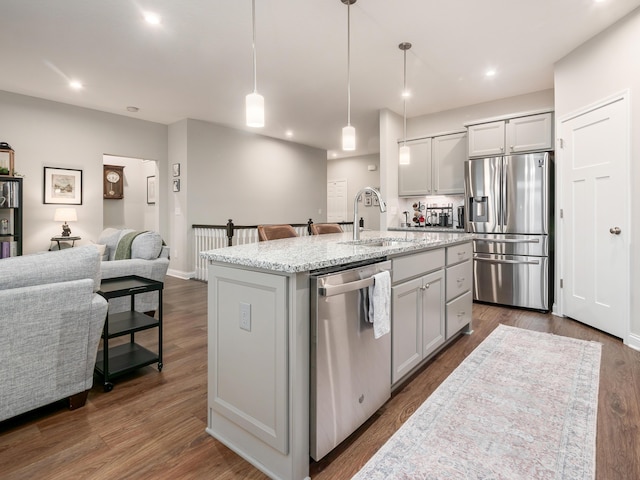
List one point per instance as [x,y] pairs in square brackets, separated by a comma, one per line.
[615,230]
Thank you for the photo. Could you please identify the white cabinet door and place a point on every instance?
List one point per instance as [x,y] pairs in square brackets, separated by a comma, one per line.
[406,328]
[486,139]
[449,153]
[526,134]
[433,312]
[415,179]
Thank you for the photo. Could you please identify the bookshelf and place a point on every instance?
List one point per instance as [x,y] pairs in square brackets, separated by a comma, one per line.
[10,216]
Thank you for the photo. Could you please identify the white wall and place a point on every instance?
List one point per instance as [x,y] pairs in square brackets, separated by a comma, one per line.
[355,170]
[603,66]
[51,134]
[455,119]
[252,179]
[132,211]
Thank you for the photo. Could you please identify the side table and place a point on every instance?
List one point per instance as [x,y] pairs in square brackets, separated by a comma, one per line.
[64,240]
[114,361]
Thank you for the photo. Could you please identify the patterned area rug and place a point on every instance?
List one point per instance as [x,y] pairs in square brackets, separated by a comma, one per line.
[522,405]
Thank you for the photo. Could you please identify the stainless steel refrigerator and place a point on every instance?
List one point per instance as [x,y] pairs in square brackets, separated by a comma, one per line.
[508,201]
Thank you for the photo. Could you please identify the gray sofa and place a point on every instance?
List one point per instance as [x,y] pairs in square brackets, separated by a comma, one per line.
[144,255]
[51,320]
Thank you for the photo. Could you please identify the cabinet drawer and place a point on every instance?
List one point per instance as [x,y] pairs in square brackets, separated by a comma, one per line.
[418,264]
[459,253]
[459,279]
[459,313]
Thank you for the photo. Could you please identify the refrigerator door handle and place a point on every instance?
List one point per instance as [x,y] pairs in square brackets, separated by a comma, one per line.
[503,193]
[507,240]
[510,262]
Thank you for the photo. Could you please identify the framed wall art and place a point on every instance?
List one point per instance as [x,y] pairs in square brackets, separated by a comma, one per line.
[62,186]
[151,190]
[176,185]
[176,169]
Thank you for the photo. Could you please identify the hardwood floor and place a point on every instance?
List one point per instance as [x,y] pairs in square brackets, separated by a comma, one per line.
[152,424]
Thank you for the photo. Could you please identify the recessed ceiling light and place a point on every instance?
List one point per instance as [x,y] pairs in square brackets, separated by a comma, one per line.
[152,18]
[289,133]
[76,85]
[490,73]
[406,94]
[132,109]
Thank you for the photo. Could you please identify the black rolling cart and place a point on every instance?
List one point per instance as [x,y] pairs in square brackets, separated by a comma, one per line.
[118,360]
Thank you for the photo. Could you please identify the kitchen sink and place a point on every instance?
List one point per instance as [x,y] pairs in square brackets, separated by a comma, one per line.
[379,242]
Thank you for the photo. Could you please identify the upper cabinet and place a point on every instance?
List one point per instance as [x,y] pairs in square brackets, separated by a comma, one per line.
[520,134]
[415,179]
[436,168]
[449,155]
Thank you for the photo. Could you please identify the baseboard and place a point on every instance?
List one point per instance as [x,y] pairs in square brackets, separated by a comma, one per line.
[633,341]
[181,274]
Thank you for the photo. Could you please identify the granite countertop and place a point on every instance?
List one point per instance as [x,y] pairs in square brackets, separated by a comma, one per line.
[303,254]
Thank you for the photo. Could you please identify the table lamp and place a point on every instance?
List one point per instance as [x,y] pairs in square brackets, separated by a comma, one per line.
[65,215]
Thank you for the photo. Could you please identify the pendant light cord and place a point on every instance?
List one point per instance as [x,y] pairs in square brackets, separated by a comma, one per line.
[404,97]
[253,16]
[348,63]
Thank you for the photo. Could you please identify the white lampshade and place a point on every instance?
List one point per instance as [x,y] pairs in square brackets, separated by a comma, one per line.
[348,138]
[404,155]
[255,110]
[65,215]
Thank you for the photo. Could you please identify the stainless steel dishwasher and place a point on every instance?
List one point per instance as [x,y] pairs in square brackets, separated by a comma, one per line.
[350,369]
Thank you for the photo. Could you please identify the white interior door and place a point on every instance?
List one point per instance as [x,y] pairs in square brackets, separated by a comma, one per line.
[337,201]
[595,224]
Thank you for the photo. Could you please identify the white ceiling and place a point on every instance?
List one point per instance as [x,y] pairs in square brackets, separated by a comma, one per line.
[198,62]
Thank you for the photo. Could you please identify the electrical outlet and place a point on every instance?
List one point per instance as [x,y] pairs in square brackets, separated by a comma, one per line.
[245,316]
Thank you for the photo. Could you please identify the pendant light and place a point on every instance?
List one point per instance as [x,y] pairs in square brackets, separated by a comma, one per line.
[404,153]
[254,101]
[348,132]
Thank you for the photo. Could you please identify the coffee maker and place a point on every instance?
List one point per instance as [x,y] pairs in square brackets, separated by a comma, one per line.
[461,216]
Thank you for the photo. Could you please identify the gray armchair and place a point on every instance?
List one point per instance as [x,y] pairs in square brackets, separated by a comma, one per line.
[128,252]
[51,319]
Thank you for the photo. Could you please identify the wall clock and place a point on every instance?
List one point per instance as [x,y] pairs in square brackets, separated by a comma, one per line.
[113,181]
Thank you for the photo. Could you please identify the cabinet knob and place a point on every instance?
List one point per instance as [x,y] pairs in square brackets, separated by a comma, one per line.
[461,314]
[460,280]
[426,286]
[511,148]
[615,230]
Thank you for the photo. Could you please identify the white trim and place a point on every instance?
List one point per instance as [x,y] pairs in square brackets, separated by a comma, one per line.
[432,135]
[633,341]
[508,116]
[180,274]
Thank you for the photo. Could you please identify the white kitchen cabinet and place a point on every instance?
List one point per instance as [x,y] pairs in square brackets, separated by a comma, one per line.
[418,322]
[486,139]
[459,280]
[526,133]
[436,168]
[449,153]
[415,179]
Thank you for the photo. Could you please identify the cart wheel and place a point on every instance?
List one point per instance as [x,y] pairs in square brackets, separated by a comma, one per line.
[108,386]
[160,366]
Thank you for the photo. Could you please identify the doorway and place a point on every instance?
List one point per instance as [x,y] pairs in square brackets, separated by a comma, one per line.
[138,209]
[595,222]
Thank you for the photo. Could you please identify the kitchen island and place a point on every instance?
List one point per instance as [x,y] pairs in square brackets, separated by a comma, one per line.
[259,332]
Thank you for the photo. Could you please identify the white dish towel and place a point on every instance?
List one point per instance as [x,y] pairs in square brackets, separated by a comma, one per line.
[380,304]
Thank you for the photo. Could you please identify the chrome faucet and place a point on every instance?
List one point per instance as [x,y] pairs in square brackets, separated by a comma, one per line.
[383,208]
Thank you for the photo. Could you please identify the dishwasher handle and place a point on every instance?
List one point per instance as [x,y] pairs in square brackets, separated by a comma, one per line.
[331,290]
[509,262]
